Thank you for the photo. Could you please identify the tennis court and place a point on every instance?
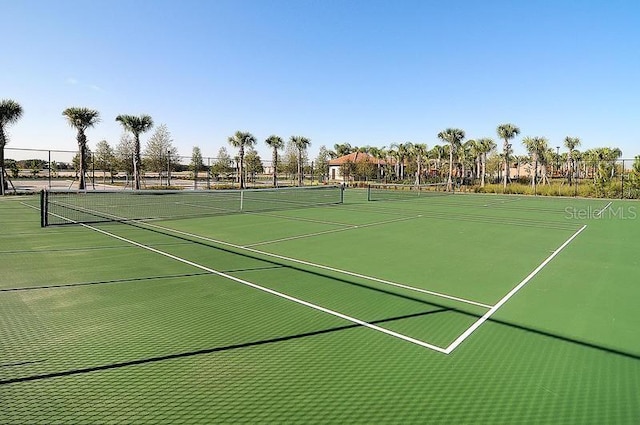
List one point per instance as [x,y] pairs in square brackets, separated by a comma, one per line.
[430,309]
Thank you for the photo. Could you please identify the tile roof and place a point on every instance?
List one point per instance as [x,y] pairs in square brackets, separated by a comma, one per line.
[357,157]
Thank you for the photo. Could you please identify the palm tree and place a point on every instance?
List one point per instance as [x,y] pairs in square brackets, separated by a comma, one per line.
[136,125]
[454,137]
[10,112]
[401,152]
[301,143]
[537,148]
[419,153]
[484,146]
[571,143]
[275,143]
[82,119]
[507,132]
[241,140]
[467,156]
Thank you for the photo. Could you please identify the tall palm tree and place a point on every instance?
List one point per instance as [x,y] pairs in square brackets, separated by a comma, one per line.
[136,125]
[301,143]
[484,146]
[537,148]
[571,143]
[507,132]
[81,119]
[10,112]
[240,140]
[453,136]
[275,143]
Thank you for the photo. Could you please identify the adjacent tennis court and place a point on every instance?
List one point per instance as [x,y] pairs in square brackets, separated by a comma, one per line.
[318,306]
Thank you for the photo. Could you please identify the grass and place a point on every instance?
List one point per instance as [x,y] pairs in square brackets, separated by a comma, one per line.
[95,329]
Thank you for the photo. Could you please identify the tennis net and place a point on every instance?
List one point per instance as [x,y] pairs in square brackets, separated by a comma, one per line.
[390,192]
[69,207]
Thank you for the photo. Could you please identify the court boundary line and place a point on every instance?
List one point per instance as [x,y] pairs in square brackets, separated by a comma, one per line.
[599,213]
[320,266]
[272,292]
[510,294]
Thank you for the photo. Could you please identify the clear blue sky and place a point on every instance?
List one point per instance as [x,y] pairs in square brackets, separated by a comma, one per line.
[364,72]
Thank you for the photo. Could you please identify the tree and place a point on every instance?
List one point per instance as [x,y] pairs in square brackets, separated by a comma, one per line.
[81,119]
[537,148]
[159,150]
[104,159]
[253,163]
[196,165]
[419,154]
[223,164]
[76,161]
[507,132]
[124,153]
[241,140]
[342,149]
[10,112]
[401,151]
[484,146]
[275,143]
[301,144]
[634,175]
[453,136]
[467,156]
[347,169]
[571,143]
[136,125]
[322,163]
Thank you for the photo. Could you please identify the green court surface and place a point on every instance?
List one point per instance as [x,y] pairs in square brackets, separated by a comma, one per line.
[462,309]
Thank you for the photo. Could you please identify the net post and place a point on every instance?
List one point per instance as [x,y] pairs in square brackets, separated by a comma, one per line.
[342,194]
[368,192]
[241,200]
[44,196]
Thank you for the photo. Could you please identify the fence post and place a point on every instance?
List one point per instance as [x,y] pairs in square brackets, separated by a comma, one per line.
[208,173]
[49,170]
[622,182]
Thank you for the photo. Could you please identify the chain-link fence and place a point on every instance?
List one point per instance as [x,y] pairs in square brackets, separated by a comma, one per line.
[34,169]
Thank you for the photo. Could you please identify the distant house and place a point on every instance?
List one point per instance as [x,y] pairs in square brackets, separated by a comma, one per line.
[337,166]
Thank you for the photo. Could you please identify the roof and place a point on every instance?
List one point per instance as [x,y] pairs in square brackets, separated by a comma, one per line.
[357,157]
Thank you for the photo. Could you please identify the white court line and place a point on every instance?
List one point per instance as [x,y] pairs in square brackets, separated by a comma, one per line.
[308,235]
[262,288]
[351,227]
[599,213]
[272,292]
[320,266]
[511,293]
[310,220]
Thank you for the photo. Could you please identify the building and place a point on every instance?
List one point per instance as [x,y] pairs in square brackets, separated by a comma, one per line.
[348,164]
